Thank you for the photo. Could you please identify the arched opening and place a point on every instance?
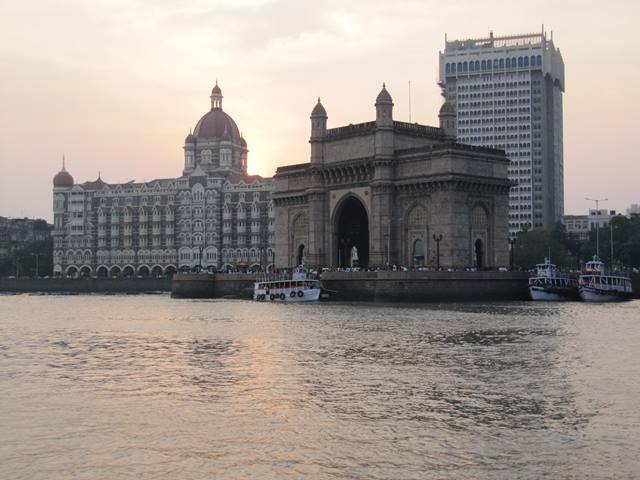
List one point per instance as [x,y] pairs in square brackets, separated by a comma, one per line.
[85,272]
[72,272]
[418,253]
[127,272]
[156,271]
[477,249]
[300,257]
[102,272]
[115,271]
[352,227]
[143,271]
[170,271]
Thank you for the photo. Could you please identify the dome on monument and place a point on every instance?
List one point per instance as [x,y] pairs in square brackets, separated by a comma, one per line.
[216,123]
[318,110]
[63,178]
[383,96]
[447,108]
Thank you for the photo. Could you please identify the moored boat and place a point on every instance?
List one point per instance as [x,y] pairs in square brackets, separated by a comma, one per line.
[551,285]
[596,285]
[299,288]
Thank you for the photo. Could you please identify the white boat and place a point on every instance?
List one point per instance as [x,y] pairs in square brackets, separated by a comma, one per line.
[596,286]
[550,285]
[299,288]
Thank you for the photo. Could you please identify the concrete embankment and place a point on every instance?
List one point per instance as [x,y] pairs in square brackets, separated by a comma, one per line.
[373,286]
[220,285]
[85,285]
[427,286]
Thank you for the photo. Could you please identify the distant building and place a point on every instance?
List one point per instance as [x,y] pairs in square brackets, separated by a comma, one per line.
[579,226]
[506,93]
[390,192]
[634,209]
[215,215]
[17,233]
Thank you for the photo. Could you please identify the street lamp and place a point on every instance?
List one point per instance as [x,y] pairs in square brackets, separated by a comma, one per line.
[597,200]
[512,252]
[437,238]
[37,255]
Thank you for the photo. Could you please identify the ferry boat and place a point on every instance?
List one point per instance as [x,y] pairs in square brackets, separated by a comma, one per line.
[597,286]
[298,288]
[550,285]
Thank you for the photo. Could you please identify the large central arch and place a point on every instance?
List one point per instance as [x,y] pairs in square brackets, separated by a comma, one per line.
[352,228]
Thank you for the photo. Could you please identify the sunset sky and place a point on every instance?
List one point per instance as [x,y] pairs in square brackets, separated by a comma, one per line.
[116,85]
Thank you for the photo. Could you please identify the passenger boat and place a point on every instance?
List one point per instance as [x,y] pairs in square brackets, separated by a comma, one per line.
[299,288]
[550,285]
[596,286]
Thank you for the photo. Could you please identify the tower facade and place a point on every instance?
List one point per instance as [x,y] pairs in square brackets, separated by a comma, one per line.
[506,93]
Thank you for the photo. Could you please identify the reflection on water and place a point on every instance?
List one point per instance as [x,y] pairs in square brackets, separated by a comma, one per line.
[146,387]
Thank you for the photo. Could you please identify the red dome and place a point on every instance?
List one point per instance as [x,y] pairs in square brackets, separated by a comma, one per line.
[63,179]
[216,124]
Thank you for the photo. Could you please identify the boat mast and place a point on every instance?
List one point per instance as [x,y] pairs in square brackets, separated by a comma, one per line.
[597,200]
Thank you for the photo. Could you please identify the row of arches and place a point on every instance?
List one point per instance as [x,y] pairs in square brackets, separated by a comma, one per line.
[495,64]
[117,271]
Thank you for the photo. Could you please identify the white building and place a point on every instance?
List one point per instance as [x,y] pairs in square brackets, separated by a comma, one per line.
[507,93]
[214,216]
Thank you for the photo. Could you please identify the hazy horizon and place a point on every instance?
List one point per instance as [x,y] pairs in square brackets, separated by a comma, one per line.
[117,85]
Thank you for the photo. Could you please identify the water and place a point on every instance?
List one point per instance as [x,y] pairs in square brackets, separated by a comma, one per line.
[104,387]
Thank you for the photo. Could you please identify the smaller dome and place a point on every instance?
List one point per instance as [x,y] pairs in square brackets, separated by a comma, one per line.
[216,90]
[318,110]
[447,108]
[384,97]
[243,142]
[63,179]
[190,138]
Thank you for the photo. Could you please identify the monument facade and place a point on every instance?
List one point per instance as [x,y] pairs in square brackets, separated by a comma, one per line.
[387,192]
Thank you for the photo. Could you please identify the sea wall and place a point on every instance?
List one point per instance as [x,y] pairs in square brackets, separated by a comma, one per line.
[85,285]
[220,285]
[426,286]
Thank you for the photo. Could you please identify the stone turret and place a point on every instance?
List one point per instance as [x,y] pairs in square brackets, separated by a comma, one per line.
[384,124]
[448,120]
[318,131]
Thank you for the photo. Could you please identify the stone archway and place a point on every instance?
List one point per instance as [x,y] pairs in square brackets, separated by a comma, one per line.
[143,271]
[72,272]
[478,253]
[102,272]
[352,234]
[157,271]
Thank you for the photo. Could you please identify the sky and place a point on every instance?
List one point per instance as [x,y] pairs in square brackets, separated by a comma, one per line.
[116,85]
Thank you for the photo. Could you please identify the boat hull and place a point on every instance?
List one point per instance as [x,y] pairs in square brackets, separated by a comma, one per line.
[589,294]
[288,295]
[547,295]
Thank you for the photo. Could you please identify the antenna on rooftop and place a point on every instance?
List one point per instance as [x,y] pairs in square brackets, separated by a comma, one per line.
[409,101]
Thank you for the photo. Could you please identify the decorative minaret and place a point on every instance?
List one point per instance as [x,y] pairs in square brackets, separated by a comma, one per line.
[384,123]
[318,131]
[447,118]
[216,97]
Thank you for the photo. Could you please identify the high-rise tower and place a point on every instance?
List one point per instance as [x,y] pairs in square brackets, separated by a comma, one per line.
[507,93]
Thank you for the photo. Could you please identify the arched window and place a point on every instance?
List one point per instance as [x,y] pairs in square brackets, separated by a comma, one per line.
[448,68]
[477,65]
[520,62]
[495,63]
[508,63]
[513,62]
[417,217]
[472,66]
[526,61]
[539,60]
[533,60]
[453,68]
[484,65]
[459,66]
[418,253]
[465,66]
[501,63]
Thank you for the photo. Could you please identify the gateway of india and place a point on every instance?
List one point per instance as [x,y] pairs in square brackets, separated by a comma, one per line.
[387,192]
[376,193]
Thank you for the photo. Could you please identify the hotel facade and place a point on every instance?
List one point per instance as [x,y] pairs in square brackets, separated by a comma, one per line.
[214,216]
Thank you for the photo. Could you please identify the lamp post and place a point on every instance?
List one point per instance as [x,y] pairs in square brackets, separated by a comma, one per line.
[512,252]
[597,200]
[37,255]
[437,238]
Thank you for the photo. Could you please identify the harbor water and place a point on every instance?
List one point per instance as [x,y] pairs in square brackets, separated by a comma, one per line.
[116,386]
